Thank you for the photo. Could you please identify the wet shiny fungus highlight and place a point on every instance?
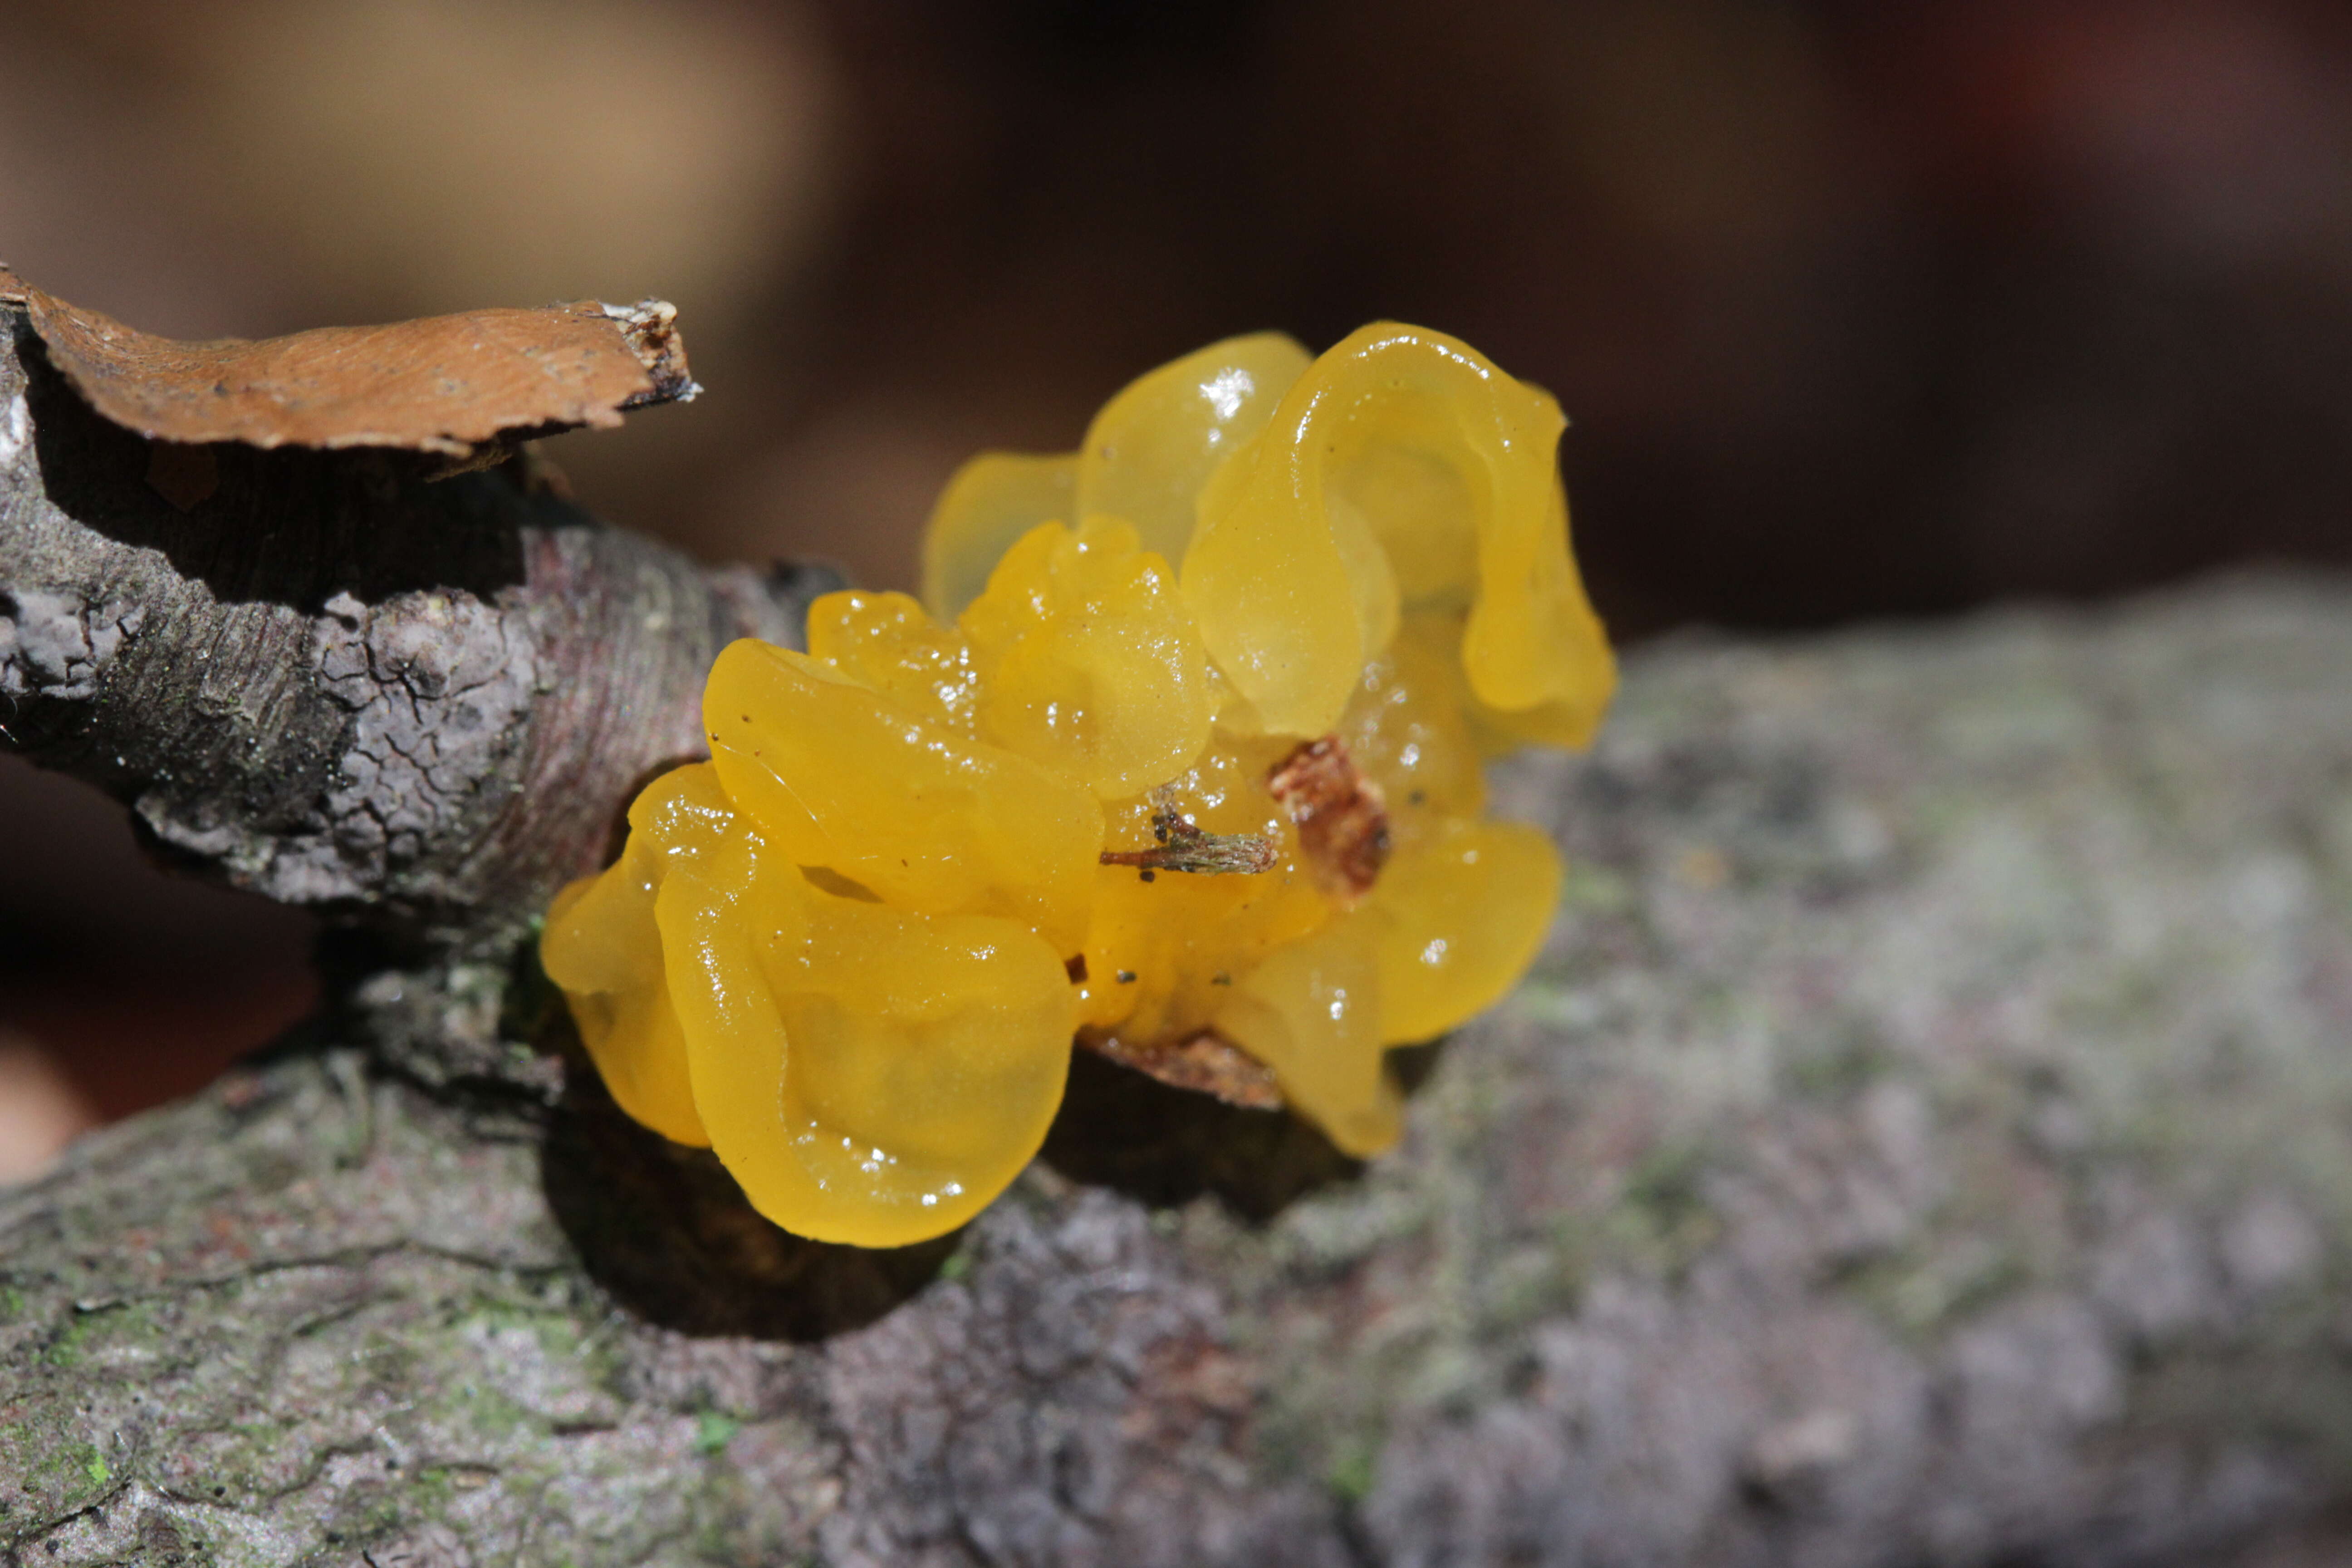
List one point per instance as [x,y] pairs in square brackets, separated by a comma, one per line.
[1180,756]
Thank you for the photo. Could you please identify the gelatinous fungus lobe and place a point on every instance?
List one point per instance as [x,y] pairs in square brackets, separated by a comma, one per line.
[1178,754]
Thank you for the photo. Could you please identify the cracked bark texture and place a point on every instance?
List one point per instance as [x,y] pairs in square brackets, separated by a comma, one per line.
[1923,1140]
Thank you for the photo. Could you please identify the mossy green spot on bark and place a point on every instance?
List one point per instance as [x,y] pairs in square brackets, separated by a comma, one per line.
[1351,1473]
[713,1432]
[60,1481]
[103,1334]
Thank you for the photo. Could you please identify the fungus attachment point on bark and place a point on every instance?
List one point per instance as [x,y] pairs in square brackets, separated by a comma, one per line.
[1182,756]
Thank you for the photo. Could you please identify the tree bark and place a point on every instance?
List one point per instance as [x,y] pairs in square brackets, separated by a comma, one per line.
[1922,1141]
[413,702]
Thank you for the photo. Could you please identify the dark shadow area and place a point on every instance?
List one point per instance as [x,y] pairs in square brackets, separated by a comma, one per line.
[292,528]
[1164,1146]
[665,1229]
[1412,1065]
[140,986]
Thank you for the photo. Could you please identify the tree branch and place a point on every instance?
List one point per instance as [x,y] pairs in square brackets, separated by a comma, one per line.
[1922,1141]
[414,703]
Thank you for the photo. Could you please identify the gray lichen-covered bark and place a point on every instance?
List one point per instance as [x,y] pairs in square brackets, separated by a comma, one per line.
[1923,1140]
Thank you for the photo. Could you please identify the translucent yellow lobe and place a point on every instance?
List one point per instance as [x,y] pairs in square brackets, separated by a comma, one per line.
[868,1075]
[602,947]
[907,808]
[1053,797]
[1403,467]
[992,501]
[1094,671]
[1152,449]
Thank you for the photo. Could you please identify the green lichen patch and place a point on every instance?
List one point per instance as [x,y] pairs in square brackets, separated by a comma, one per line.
[117,1338]
[60,1472]
[713,1432]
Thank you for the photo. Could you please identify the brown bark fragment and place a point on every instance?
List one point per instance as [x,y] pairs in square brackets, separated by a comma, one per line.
[1343,823]
[445,384]
[1205,1063]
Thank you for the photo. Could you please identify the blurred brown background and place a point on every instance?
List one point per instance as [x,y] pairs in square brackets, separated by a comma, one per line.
[1860,310]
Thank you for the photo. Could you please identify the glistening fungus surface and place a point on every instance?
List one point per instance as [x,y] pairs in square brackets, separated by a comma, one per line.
[1195,775]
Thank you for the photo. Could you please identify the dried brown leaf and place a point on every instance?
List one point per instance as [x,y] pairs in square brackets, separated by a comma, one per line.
[447,384]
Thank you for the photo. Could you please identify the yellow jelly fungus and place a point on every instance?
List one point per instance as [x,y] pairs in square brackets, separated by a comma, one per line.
[1183,740]
[915,814]
[1154,449]
[602,947]
[1095,670]
[868,1074]
[992,500]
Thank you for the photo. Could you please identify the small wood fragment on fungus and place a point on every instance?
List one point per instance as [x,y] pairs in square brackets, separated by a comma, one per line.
[1343,823]
[452,386]
[1206,1063]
